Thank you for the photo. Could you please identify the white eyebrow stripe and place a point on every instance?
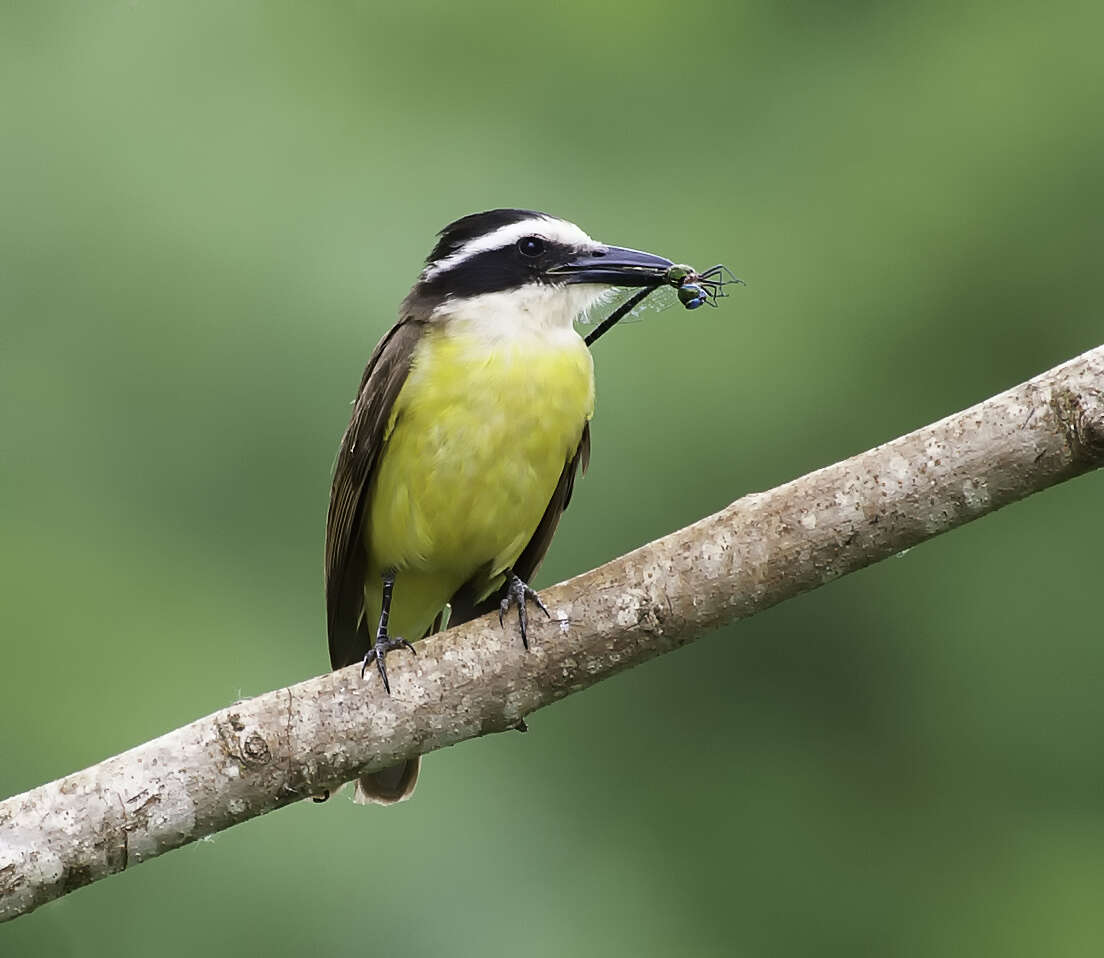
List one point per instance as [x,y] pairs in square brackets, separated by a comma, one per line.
[558,231]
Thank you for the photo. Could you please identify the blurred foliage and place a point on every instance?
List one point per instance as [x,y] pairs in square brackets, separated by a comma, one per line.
[210,212]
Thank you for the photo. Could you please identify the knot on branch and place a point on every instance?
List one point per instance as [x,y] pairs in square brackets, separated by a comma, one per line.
[1081,413]
[255,750]
[251,750]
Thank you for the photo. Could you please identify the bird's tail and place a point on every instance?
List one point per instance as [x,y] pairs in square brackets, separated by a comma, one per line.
[388,785]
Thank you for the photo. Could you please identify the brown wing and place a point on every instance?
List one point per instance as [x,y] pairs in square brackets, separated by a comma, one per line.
[465,604]
[356,459]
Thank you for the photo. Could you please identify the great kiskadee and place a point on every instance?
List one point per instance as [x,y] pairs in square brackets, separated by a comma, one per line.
[471,421]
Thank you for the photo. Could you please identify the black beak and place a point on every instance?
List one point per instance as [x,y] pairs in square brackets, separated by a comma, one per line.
[614,266]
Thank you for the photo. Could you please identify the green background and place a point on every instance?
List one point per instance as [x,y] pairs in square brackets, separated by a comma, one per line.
[208,213]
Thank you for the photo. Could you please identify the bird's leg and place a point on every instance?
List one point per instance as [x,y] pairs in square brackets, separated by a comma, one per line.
[384,642]
[518,593]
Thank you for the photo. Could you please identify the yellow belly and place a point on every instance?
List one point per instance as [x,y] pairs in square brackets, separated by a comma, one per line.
[481,433]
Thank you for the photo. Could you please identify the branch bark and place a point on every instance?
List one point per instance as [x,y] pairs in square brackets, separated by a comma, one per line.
[264,753]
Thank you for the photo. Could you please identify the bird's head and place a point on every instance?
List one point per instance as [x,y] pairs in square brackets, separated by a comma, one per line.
[519,269]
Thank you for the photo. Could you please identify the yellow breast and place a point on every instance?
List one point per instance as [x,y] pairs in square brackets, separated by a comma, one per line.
[480,434]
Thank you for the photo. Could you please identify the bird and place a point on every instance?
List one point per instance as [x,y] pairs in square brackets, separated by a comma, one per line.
[470,424]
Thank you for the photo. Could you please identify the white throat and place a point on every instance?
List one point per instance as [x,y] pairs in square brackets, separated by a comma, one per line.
[533,309]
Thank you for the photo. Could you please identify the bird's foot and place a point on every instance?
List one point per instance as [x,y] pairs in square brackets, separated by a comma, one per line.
[384,644]
[518,593]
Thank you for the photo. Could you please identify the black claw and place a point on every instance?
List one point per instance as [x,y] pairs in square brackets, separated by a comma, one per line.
[378,653]
[518,593]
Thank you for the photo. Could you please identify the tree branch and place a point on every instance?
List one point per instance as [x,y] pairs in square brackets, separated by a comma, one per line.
[266,752]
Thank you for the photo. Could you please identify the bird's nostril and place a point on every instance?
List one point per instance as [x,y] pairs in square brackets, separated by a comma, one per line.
[598,252]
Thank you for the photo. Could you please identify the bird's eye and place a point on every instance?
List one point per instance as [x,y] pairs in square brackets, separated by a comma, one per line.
[530,246]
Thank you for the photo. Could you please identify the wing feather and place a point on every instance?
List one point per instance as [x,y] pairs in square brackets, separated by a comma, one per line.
[356,461]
